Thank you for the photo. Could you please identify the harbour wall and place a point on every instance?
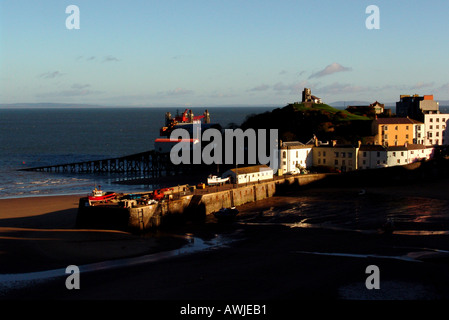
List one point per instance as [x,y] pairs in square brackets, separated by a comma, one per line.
[201,205]
[138,218]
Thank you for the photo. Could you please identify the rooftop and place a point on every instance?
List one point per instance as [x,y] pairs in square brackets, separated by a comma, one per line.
[252,169]
[397,121]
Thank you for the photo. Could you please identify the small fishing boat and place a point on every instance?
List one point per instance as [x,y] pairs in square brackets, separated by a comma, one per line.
[212,180]
[99,195]
[226,213]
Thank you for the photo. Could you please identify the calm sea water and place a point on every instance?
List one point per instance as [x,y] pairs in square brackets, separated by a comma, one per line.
[39,137]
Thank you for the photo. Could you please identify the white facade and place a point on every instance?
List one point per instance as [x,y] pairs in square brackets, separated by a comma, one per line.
[294,155]
[373,156]
[249,174]
[398,156]
[436,129]
[419,132]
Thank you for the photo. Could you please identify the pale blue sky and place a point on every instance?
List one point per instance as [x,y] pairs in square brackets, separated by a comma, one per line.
[205,53]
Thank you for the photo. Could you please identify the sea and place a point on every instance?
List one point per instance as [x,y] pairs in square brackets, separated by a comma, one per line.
[33,137]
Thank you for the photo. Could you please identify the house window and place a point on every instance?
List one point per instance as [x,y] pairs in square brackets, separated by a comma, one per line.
[406,136]
[336,154]
[296,154]
[399,160]
[364,153]
[431,119]
[336,161]
[284,163]
[349,154]
[437,134]
[319,160]
[438,119]
[284,155]
[378,154]
[324,161]
[402,153]
[324,153]
[396,128]
[406,127]
[343,154]
[319,153]
[364,161]
[394,154]
[430,127]
[438,127]
[343,162]
[386,127]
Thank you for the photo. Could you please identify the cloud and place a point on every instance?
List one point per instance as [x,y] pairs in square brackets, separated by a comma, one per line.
[80,86]
[75,90]
[68,93]
[330,69]
[421,85]
[178,92]
[444,88]
[110,59]
[51,75]
[262,87]
[338,88]
[292,88]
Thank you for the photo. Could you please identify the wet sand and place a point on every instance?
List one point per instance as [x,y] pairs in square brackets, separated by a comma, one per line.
[270,262]
[39,233]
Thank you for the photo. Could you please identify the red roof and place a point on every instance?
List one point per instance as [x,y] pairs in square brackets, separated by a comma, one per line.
[396,121]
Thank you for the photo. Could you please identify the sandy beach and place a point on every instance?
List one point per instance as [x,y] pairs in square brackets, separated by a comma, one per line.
[270,261]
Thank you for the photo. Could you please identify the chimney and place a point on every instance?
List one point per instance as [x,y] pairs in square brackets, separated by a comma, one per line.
[315,140]
[334,142]
[359,144]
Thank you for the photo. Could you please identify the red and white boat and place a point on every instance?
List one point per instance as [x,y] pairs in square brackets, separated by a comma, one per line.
[98,195]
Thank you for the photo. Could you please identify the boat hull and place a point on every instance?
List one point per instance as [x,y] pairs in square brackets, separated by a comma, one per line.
[105,197]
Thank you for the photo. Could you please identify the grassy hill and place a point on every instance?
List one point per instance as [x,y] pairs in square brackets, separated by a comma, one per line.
[300,122]
[339,115]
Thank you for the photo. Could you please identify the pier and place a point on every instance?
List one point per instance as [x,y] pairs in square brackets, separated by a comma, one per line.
[150,163]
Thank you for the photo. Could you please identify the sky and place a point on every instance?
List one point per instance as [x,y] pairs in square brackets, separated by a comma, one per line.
[229,52]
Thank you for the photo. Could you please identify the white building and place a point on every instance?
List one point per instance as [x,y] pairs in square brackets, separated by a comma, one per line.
[436,129]
[294,156]
[372,156]
[419,132]
[249,174]
[375,156]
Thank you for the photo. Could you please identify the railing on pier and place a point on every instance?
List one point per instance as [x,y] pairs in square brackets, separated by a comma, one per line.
[150,163]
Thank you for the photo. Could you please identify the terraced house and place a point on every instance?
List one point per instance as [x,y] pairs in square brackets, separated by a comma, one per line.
[342,157]
[397,131]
